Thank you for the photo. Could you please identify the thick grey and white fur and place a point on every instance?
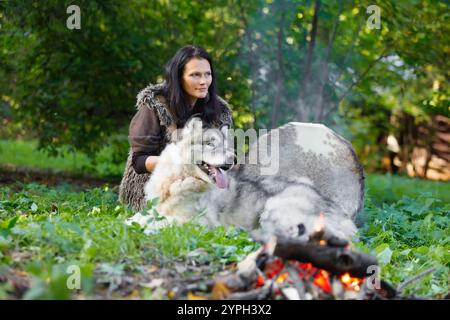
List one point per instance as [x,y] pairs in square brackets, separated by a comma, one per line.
[318,172]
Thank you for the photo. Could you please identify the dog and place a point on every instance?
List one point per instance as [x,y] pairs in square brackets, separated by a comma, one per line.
[317,176]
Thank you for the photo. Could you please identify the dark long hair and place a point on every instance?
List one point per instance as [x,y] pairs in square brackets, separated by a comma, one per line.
[175,95]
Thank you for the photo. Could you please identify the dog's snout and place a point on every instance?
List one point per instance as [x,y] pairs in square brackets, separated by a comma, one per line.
[230,161]
[232,158]
[226,166]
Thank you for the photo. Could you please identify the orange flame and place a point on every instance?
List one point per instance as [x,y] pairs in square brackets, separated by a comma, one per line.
[320,223]
[282,277]
[322,280]
[260,281]
[350,282]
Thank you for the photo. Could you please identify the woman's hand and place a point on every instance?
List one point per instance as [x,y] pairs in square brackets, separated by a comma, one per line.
[151,162]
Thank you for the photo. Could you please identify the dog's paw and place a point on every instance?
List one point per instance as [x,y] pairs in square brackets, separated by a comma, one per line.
[155,226]
[138,218]
[147,222]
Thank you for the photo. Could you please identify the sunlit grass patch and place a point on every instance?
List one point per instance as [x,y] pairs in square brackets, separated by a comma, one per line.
[24,153]
[390,188]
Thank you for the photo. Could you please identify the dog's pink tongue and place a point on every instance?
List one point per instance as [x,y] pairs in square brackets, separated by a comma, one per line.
[221,177]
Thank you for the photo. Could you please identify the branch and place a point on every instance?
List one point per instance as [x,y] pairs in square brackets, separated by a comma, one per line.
[403,285]
[350,50]
[362,76]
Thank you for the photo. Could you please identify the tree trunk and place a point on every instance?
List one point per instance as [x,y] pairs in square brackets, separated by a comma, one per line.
[324,67]
[280,71]
[251,61]
[302,110]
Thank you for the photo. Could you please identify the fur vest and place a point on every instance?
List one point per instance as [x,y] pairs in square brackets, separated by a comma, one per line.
[131,190]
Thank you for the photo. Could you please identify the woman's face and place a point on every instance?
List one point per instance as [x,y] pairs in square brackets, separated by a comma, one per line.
[196,79]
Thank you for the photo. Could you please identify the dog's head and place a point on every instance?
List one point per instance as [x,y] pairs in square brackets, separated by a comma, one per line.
[207,152]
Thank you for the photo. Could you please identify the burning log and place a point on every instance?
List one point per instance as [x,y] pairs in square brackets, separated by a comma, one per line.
[295,269]
[335,259]
[286,268]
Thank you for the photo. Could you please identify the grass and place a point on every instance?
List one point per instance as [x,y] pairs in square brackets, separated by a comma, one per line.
[409,236]
[44,231]
[389,188]
[24,153]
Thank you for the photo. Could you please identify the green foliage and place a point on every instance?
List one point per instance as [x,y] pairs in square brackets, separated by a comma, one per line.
[77,88]
[24,153]
[220,244]
[407,87]
[408,237]
[390,188]
[49,281]
[43,231]
[57,228]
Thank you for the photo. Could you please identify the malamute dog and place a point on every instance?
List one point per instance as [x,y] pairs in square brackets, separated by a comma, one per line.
[317,174]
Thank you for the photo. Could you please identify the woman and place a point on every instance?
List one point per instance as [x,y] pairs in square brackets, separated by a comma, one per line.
[189,88]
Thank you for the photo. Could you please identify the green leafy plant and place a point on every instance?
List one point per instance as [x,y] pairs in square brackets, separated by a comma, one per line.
[408,237]
[62,226]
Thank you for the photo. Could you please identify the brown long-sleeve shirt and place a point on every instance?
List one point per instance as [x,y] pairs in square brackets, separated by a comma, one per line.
[145,137]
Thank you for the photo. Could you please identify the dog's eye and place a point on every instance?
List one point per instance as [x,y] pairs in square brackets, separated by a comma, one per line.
[210,143]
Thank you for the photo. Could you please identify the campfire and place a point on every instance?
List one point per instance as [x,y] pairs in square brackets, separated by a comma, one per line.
[294,270]
[296,280]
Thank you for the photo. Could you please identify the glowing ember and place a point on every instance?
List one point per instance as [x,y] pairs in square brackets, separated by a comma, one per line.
[307,269]
[273,268]
[276,268]
[260,281]
[322,280]
[351,283]
[282,277]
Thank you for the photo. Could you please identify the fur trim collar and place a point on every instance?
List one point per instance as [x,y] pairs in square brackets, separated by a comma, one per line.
[147,98]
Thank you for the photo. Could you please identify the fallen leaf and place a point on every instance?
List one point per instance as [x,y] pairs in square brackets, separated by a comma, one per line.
[154,283]
[220,291]
[191,296]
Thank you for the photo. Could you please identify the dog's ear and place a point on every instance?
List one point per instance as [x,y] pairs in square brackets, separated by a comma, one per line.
[224,129]
[193,125]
